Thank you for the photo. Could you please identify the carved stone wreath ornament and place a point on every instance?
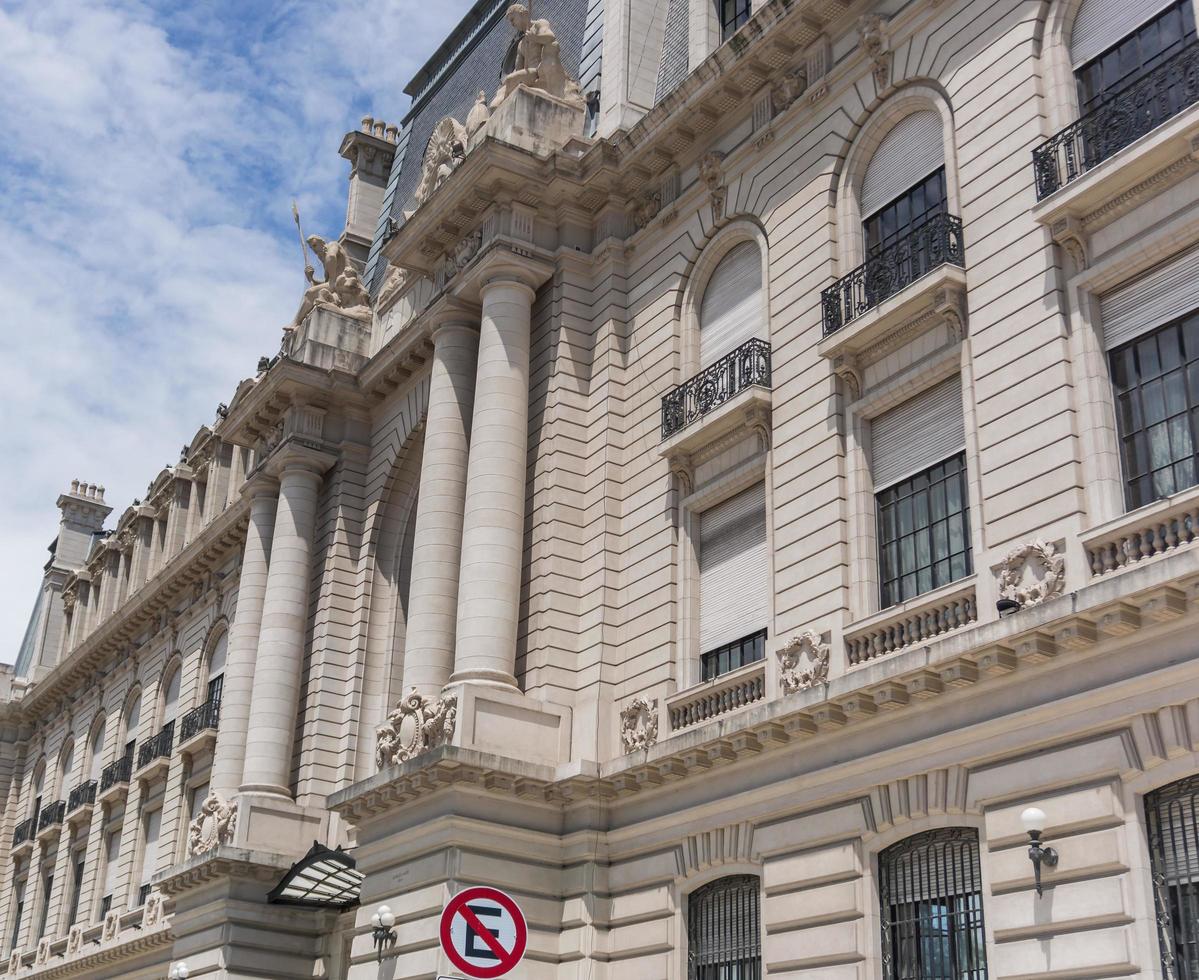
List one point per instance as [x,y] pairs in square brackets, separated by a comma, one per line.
[1032,573]
[416,725]
[639,724]
[793,674]
[214,825]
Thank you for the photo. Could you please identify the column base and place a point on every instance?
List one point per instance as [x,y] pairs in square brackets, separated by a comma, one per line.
[277,824]
[500,720]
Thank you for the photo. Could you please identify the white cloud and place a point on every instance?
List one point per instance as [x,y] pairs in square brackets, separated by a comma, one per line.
[147,169]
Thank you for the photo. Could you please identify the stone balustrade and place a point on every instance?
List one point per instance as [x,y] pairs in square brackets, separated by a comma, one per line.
[720,696]
[1159,529]
[912,623]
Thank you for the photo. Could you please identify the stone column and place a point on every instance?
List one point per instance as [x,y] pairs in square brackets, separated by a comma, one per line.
[437,543]
[493,525]
[276,686]
[230,754]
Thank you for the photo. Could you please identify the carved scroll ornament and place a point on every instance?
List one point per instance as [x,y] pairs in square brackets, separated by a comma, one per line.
[1032,573]
[639,724]
[214,824]
[416,725]
[803,663]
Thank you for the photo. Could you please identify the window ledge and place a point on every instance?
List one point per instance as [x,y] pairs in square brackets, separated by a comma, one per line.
[911,623]
[745,408]
[1149,532]
[1119,183]
[938,296]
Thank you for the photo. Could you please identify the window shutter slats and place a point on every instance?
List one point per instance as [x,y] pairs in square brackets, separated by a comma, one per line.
[1168,291]
[731,310]
[917,434]
[912,150]
[1101,23]
[733,569]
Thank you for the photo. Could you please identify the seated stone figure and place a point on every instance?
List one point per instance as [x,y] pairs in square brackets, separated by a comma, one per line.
[538,60]
[341,286]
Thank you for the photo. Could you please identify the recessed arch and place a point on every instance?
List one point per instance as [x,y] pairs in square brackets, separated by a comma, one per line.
[170,691]
[95,748]
[215,660]
[64,777]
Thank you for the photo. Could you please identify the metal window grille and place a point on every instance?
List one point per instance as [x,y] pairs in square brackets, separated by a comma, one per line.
[1173,828]
[1156,382]
[747,650]
[723,931]
[924,532]
[930,892]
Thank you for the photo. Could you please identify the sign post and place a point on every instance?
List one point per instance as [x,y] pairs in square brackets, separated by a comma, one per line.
[483,932]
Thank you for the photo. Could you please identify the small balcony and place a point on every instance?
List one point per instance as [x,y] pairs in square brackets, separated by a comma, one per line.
[114,780]
[1117,123]
[932,244]
[720,696]
[197,728]
[49,821]
[22,837]
[154,754]
[740,370]
[80,802]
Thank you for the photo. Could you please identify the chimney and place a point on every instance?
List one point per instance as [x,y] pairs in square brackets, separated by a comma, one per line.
[370,150]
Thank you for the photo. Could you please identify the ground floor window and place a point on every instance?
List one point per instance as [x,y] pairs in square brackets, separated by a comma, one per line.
[723,930]
[1174,860]
[930,892]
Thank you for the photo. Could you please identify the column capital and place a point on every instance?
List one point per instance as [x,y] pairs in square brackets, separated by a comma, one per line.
[261,484]
[293,457]
[503,264]
[448,310]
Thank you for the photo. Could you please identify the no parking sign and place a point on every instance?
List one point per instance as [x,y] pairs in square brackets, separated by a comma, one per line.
[483,932]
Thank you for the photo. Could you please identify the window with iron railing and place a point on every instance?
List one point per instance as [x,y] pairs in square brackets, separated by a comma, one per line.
[116,772]
[739,370]
[52,813]
[1173,827]
[930,893]
[724,930]
[82,795]
[204,716]
[157,746]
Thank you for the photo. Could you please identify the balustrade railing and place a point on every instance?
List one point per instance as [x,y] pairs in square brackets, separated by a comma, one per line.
[1168,527]
[24,831]
[156,746]
[1117,122]
[935,242]
[52,814]
[718,697]
[745,367]
[911,625]
[116,772]
[81,795]
[207,715]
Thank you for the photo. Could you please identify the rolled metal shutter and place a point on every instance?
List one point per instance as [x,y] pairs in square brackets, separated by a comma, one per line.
[731,311]
[912,150]
[1168,291]
[734,571]
[918,434]
[1101,23]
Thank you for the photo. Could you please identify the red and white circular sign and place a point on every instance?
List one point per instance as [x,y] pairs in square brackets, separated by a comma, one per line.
[483,932]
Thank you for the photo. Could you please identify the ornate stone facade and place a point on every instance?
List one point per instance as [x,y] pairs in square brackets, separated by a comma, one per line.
[803,663]
[214,824]
[416,725]
[639,724]
[1032,573]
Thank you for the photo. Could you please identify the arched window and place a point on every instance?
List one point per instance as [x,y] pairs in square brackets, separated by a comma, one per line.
[930,893]
[1116,43]
[39,787]
[723,930]
[133,717]
[96,752]
[66,770]
[216,667]
[170,697]
[732,310]
[904,184]
[1172,821]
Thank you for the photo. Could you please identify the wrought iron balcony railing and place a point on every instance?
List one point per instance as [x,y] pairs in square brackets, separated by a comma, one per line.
[745,367]
[156,746]
[116,772]
[207,715]
[1117,122]
[81,796]
[52,813]
[24,831]
[935,242]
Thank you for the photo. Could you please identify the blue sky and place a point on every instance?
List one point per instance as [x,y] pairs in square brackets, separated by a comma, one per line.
[149,153]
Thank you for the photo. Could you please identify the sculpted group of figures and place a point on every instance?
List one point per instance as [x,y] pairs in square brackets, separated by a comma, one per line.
[537,65]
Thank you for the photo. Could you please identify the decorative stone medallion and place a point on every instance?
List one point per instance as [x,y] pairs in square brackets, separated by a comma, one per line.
[1032,573]
[639,724]
[793,674]
[213,825]
[416,725]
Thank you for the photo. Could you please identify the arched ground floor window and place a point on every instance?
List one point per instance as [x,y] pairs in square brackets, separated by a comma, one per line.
[724,930]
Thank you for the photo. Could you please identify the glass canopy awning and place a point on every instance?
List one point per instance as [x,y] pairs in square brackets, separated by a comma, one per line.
[321,879]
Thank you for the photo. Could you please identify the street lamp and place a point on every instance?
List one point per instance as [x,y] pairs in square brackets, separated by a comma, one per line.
[1034,820]
[179,971]
[382,932]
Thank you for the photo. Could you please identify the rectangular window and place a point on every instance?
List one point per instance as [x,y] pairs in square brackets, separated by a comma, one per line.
[902,216]
[734,579]
[733,13]
[1156,386]
[724,930]
[44,911]
[215,686]
[112,856]
[1107,75]
[924,532]
[930,893]
[749,650]
[153,829]
[18,913]
[79,862]
[1172,821]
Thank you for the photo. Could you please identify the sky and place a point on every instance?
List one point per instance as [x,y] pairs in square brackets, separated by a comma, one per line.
[149,154]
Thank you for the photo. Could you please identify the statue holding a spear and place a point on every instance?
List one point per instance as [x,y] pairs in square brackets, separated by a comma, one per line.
[341,287]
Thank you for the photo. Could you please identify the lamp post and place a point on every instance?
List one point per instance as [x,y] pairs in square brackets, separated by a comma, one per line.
[1034,820]
[381,929]
[179,971]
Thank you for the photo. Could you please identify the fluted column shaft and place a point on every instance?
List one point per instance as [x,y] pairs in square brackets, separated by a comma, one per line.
[276,687]
[493,525]
[229,758]
[437,543]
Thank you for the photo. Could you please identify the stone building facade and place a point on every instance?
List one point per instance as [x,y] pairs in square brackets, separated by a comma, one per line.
[740,460]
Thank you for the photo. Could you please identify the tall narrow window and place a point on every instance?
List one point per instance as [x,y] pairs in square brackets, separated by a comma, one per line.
[44,911]
[723,930]
[731,311]
[78,862]
[96,755]
[1173,826]
[112,856]
[734,583]
[918,464]
[18,911]
[133,719]
[153,829]
[216,666]
[930,892]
